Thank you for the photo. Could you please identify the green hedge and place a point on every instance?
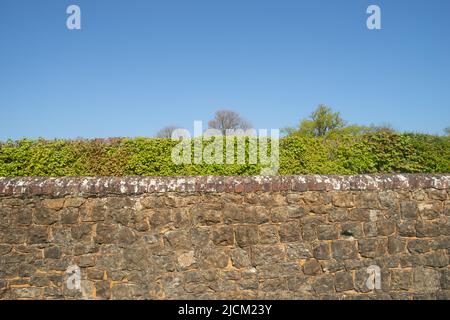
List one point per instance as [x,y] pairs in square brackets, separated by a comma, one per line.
[381,152]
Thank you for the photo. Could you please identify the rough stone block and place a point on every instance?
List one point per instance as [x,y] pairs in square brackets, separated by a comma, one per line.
[323,284]
[290,231]
[343,199]
[37,235]
[401,279]
[246,235]
[344,249]
[298,250]
[105,233]
[267,254]
[343,281]
[268,234]
[45,216]
[52,252]
[312,267]
[178,239]
[322,251]
[240,258]
[327,232]
[223,236]
[419,246]
[371,248]
[409,210]
[425,280]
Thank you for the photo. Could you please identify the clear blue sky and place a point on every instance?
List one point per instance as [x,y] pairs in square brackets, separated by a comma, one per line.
[136,66]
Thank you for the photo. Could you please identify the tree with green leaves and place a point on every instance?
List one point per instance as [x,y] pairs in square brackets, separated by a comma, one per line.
[319,123]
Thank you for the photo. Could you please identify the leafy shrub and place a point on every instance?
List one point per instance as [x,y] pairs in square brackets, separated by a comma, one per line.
[338,153]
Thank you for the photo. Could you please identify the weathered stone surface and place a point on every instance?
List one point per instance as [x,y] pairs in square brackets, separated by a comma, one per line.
[256,214]
[406,228]
[52,252]
[370,229]
[385,227]
[338,214]
[299,284]
[312,267]
[343,281]
[436,259]
[226,238]
[419,246]
[95,274]
[5,249]
[126,236]
[103,289]
[93,210]
[178,239]
[160,218]
[322,251]
[425,280]
[45,216]
[323,284]
[126,291]
[289,231]
[268,234]
[445,278]
[69,215]
[13,235]
[298,250]
[83,232]
[272,285]
[106,233]
[223,236]
[85,261]
[396,245]
[358,214]
[427,229]
[367,200]
[25,216]
[187,259]
[240,258]
[246,235]
[371,248]
[37,235]
[327,232]
[26,293]
[286,213]
[344,249]
[214,258]
[409,209]
[352,229]
[343,199]
[360,283]
[74,202]
[232,213]
[388,199]
[401,279]
[430,210]
[437,194]
[267,254]
[152,201]
[54,204]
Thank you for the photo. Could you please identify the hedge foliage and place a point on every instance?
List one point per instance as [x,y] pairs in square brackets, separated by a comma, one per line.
[380,152]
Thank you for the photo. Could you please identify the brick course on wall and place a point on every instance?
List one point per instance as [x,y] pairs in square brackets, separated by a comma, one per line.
[282,237]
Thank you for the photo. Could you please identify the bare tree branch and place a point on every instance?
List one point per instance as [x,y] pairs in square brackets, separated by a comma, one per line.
[166,132]
[228,120]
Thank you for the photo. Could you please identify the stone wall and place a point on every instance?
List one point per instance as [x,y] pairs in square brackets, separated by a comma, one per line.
[294,237]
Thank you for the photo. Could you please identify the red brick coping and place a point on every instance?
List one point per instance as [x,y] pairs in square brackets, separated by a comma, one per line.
[98,186]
